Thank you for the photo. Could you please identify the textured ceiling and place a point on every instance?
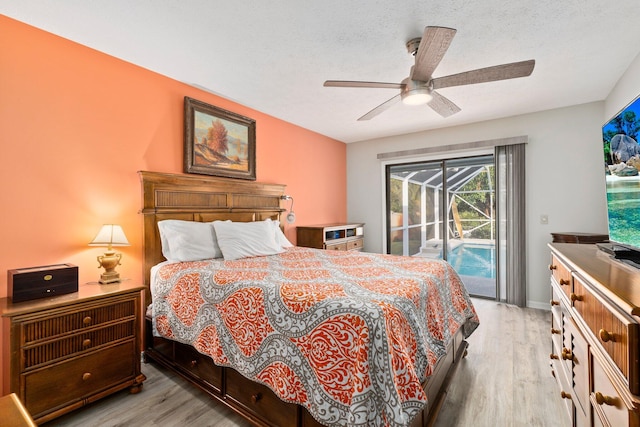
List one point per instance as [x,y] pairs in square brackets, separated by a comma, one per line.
[274,56]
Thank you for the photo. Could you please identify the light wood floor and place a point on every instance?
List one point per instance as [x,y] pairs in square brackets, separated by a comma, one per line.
[505,380]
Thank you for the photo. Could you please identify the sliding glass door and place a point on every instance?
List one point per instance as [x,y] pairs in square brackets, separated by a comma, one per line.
[414,199]
[446,210]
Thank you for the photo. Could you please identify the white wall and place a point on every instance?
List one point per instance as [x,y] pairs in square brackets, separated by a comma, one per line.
[565,178]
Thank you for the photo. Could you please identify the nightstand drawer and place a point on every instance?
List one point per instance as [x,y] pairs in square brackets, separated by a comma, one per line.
[61,384]
[355,244]
[336,247]
[60,322]
[70,345]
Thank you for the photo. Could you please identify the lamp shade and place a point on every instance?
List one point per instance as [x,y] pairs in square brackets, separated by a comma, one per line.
[110,235]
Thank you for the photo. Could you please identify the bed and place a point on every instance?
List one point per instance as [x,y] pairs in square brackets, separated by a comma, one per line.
[299,337]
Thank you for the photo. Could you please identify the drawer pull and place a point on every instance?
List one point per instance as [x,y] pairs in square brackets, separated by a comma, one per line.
[86,343]
[553,302]
[566,354]
[86,376]
[552,267]
[553,356]
[605,335]
[605,400]
[193,363]
[565,395]
[575,297]
[564,282]
[555,331]
[86,320]
[255,398]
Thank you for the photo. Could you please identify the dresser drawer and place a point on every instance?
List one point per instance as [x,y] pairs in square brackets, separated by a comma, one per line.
[49,324]
[608,407]
[556,331]
[63,347]
[577,355]
[260,400]
[556,303]
[63,383]
[612,331]
[562,377]
[561,274]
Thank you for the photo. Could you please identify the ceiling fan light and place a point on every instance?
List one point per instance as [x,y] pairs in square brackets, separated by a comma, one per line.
[417,97]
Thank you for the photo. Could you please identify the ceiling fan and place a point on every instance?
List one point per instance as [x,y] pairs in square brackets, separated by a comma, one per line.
[420,87]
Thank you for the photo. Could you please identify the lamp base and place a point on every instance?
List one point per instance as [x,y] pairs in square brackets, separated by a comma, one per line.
[110,277]
[109,261]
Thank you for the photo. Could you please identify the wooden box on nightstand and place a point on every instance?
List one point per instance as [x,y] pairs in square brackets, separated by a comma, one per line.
[64,352]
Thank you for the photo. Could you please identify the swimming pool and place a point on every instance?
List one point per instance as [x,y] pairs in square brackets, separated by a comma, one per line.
[474,259]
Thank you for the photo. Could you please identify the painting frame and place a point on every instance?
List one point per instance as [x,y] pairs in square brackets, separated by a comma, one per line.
[203,147]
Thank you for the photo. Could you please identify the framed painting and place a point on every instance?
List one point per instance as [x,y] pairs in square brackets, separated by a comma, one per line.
[218,142]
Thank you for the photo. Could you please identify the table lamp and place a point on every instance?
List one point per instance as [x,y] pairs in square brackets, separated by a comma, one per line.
[110,235]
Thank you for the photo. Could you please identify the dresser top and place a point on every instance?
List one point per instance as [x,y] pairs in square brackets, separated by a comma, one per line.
[86,292]
[617,281]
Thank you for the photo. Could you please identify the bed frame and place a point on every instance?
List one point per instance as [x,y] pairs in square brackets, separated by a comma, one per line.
[202,198]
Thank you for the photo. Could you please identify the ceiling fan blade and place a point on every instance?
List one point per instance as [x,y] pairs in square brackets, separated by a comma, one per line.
[344,83]
[434,44]
[489,74]
[380,108]
[442,105]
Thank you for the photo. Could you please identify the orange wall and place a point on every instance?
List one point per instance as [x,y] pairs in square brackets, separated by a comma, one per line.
[75,127]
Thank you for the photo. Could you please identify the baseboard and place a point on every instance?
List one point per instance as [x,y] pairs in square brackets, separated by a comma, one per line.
[539,305]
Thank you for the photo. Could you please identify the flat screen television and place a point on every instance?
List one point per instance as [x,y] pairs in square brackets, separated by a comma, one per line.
[622,163]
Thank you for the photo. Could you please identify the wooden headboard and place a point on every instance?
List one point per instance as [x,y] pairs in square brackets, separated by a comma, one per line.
[200,198]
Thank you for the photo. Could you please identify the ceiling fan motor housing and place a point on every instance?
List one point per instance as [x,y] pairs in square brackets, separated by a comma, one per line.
[415,92]
[412,46]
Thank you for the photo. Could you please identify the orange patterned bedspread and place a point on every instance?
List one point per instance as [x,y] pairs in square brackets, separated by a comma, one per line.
[349,335]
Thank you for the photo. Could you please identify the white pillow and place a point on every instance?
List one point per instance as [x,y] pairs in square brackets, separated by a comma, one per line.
[246,239]
[281,239]
[188,240]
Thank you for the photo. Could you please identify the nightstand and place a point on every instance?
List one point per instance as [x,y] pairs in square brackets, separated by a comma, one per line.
[64,352]
[337,236]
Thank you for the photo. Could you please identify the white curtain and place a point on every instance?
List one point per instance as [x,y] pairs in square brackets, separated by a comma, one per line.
[512,239]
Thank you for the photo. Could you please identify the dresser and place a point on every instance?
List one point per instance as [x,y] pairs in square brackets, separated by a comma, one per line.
[336,236]
[595,343]
[64,352]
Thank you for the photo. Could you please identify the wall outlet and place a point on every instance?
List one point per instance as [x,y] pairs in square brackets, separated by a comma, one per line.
[544,219]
